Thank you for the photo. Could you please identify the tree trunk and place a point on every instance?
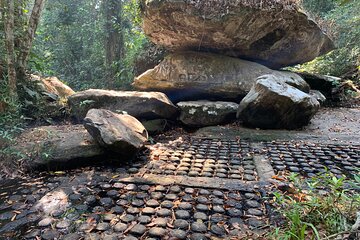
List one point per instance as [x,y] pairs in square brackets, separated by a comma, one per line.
[28,38]
[114,42]
[9,42]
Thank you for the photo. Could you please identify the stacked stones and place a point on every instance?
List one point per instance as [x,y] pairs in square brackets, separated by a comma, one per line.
[210,37]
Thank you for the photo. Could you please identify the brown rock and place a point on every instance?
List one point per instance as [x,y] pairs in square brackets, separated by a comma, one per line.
[274,33]
[54,86]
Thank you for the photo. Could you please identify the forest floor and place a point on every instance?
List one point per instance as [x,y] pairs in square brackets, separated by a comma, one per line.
[215,183]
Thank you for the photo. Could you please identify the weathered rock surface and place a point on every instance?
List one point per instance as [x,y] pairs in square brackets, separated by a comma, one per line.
[120,133]
[274,33]
[141,105]
[323,83]
[318,96]
[272,104]
[207,113]
[57,145]
[53,85]
[194,76]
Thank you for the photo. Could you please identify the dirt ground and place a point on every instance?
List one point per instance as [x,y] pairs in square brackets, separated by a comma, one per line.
[329,124]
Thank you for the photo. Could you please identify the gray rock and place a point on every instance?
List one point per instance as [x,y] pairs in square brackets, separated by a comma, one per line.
[272,104]
[138,229]
[182,224]
[157,232]
[92,236]
[142,105]
[198,227]
[207,113]
[194,76]
[318,96]
[120,227]
[58,146]
[201,216]
[50,234]
[45,222]
[323,83]
[182,214]
[178,234]
[102,226]
[72,236]
[63,224]
[119,133]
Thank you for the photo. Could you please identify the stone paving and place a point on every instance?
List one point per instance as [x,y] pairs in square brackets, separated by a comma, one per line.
[197,188]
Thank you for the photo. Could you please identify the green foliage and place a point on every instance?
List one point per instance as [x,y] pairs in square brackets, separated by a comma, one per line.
[70,44]
[327,208]
[11,120]
[344,18]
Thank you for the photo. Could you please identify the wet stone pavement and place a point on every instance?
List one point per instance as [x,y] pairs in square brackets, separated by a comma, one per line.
[180,189]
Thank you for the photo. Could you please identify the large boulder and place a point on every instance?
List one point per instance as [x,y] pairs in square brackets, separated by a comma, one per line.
[274,33]
[57,146]
[207,113]
[119,133]
[142,105]
[272,104]
[194,76]
[52,85]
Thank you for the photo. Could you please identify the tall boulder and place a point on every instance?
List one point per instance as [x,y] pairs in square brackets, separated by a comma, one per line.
[274,33]
[194,75]
[119,133]
[142,105]
[272,104]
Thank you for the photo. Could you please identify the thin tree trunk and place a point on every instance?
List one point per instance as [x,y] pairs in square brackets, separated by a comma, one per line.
[27,41]
[9,42]
[114,42]
[2,54]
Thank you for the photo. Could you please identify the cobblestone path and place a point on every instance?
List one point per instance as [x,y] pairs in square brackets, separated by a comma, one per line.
[196,188]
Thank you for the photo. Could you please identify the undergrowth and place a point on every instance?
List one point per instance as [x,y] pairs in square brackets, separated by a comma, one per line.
[329,208]
[11,124]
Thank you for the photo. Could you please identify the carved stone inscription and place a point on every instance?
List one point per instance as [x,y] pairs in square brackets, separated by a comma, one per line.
[192,77]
